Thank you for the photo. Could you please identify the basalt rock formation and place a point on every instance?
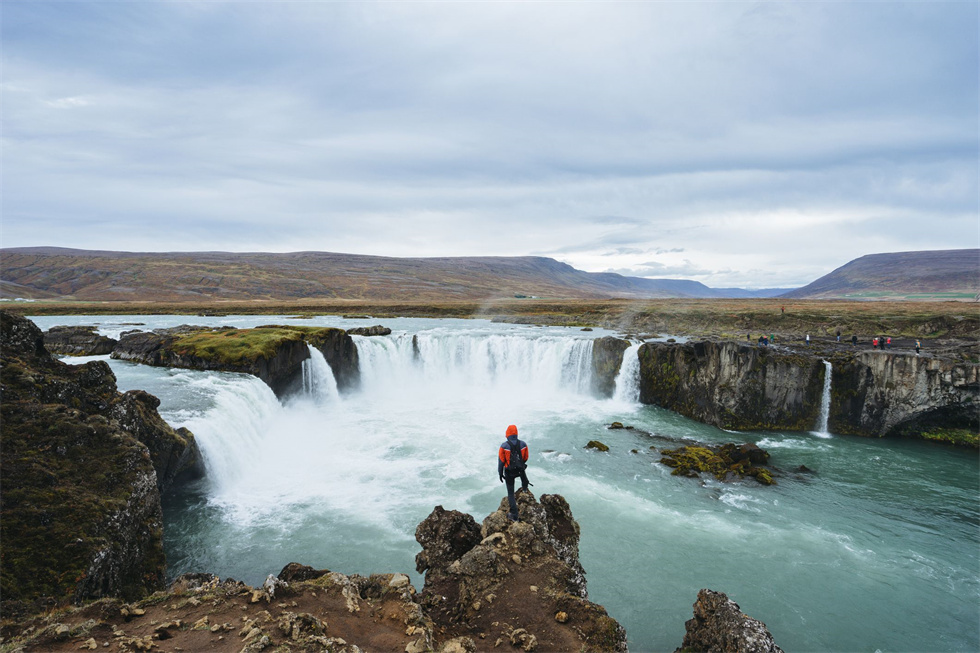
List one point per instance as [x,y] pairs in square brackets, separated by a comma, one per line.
[77,341]
[884,393]
[273,353]
[83,469]
[607,359]
[873,393]
[731,385]
[514,583]
[720,626]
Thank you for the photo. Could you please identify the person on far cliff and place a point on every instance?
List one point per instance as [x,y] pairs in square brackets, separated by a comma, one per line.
[874,343]
[808,340]
[511,464]
[854,340]
[918,345]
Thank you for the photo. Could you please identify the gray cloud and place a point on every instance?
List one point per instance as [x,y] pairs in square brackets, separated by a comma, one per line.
[767,143]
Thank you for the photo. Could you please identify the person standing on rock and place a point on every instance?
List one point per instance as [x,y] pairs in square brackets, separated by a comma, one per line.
[918,345]
[511,464]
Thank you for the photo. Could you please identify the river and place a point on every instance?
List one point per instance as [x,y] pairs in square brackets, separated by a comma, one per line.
[876,549]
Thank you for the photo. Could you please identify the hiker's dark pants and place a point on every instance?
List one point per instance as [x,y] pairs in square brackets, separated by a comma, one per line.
[509,480]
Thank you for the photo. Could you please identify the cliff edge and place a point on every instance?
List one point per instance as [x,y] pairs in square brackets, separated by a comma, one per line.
[83,470]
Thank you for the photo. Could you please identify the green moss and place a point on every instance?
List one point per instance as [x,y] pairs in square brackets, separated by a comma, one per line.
[721,462]
[960,437]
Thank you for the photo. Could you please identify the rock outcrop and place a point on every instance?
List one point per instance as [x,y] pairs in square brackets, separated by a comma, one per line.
[733,386]
[79,493]
[883,393]
[273,353]
[514,583]
[376,330]
[720,626]
[607,358]
[77,341]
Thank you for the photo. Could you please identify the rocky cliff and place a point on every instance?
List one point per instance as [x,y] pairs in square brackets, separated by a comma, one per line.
[884,393]
[273,353]
[731,385]
[873,393]
[83,468]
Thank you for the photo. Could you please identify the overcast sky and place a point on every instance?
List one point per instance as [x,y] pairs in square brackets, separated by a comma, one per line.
[753,144]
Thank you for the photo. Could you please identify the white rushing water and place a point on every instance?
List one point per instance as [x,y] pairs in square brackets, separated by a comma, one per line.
[628,380]
[825,402]
[880,530]
[318,379]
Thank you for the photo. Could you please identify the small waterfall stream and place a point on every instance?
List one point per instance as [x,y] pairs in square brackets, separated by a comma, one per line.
[825,402]
[318,379]
[628,379]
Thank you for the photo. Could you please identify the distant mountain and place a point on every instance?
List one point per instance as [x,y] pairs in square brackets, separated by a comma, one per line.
[52,272]
[950,274]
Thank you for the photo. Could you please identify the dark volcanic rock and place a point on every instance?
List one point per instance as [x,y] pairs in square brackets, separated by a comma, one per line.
[376,330]
[607,358]
[733,386]
[77,341]
[882,393]
[79,493]
[515,582]
[719,626]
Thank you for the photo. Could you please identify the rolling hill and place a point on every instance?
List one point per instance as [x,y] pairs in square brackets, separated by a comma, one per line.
[59,273]
[937,274]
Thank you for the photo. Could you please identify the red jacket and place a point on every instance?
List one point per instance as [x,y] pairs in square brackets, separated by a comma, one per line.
[503,454]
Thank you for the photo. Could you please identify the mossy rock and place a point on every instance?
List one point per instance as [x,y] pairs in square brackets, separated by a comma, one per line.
[598,446]
[724,462]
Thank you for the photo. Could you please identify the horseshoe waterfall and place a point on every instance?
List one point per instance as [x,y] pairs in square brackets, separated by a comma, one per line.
[873,536]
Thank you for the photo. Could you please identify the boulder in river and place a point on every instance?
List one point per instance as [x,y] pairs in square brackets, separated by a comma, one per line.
[719,625]
[77,341]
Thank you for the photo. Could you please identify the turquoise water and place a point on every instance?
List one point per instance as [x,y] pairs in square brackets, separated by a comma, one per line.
[877,549]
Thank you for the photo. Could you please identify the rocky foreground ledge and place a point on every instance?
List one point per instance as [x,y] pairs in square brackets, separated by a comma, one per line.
[495,586]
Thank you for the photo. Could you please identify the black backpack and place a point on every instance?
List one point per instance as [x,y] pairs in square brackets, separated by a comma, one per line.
[517,464]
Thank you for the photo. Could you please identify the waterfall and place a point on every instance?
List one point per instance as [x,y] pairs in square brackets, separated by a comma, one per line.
[628,378]
[448,362]
[318,379]
[825,402]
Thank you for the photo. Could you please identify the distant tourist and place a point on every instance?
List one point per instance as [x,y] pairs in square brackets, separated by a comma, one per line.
[772,338]
[808,340]
[918,345]
[511,464]
[888,343]
[854,341]
[874,343]
[838,335]
[782,309]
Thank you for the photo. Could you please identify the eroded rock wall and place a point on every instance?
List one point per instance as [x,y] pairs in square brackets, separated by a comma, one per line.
[731,385]
[882,393]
